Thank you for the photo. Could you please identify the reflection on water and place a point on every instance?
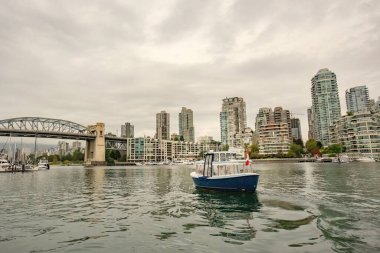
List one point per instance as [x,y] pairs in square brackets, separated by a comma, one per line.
[223,209]
[297,208]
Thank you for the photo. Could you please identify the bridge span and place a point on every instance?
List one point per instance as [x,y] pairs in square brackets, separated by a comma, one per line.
[94,135]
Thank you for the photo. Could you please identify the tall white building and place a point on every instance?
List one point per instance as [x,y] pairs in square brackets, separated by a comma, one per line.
[233,119]
[163,125]
[357,99]
[186,126]
[325,104]
[310,121]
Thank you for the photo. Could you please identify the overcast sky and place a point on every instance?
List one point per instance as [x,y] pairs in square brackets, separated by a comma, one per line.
[124,61]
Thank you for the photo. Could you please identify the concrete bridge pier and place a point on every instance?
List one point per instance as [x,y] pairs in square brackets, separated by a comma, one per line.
[95,151]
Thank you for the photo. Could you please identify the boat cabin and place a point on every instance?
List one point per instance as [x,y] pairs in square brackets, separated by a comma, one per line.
[221,164]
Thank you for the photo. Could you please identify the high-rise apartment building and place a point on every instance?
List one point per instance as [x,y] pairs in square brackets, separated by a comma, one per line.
[233,119]
[295,127]
[186,126]
[127,130]
[325,104]
[274,130]
[163,125]
[268,116]
[357,99]
[263,117]
[310,121]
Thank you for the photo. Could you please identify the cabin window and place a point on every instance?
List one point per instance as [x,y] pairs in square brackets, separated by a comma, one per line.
[228,157]
[222,157]
[216,157]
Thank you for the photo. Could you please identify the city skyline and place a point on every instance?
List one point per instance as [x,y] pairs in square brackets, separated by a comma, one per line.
[112,63]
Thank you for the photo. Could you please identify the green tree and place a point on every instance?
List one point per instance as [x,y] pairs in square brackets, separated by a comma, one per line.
[299,142]
[295,150]
[333,149]
[254,149]
[311,144]
[78,156]
[225,147]
[109,159]
[181,138]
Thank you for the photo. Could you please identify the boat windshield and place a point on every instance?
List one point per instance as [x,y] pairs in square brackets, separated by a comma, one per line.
[224,156]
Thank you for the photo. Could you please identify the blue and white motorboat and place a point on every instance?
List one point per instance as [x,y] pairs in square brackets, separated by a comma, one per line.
[223,171]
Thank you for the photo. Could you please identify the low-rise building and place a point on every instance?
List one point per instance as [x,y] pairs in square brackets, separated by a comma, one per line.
[155,150]
[245,137]
[274,139]
[359,133]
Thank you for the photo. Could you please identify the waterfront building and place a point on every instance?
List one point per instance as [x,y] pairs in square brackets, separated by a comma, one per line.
[374,106]
[63,148]
[205,139]
[127,130]
[282,116]
[265,116]
[243,138]
[310,121]
[155,150]
[268,116]
[233,119]
[163,125]
[274,138]
[76,145]
[186,126]
[295,127]
[325,104]
[359,133]
[357,99]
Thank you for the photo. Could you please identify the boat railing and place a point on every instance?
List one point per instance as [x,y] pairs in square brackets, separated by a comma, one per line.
[226,168]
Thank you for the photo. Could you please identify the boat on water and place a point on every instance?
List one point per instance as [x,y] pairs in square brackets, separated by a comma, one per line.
[341,159]
[5,166]
[223,171]
[43,164]
[366,159]
[324,159]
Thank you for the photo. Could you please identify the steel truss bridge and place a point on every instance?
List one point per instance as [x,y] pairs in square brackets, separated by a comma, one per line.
[54,128]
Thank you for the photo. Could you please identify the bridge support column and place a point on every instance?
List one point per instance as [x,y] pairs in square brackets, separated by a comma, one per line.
[95,152]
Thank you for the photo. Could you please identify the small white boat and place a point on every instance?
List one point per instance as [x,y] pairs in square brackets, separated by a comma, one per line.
[4,165]
[341,159]
[43,164]
[365,159]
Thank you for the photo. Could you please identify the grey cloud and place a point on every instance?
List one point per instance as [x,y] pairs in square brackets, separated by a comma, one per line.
[87,61]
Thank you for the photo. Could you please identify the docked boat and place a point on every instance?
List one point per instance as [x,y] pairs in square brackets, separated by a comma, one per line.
[4,165]
[341,159]
[223,171]
[365,159]
[43,164]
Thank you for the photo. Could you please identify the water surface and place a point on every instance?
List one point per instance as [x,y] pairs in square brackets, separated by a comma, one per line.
[305,207]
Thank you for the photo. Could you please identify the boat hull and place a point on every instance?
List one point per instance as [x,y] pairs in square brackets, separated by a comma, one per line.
[240,182]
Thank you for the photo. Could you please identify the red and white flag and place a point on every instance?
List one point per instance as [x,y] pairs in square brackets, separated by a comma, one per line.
[246,158]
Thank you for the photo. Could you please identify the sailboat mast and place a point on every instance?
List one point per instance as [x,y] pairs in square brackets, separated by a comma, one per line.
[35,149]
